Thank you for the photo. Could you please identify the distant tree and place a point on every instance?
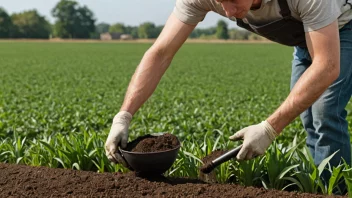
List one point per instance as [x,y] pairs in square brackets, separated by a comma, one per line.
[85,22]
[5,24]
[145,30]
[65,12]
[102,28]
[30,24]
[133,31]
[148,30]
[222,30]
[73,21]
[158,30]
[238,34]
[201,32]
[117,28]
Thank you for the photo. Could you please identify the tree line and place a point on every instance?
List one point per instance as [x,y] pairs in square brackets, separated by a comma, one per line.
[78,22]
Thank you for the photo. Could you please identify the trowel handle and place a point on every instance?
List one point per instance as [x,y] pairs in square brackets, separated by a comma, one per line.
[227,156]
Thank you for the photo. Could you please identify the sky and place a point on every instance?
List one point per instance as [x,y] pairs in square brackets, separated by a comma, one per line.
[129,12]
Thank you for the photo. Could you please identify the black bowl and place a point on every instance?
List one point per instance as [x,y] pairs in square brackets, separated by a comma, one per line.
[152,163]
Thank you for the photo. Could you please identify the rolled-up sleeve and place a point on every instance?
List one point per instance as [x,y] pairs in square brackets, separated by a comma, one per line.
[316,14]
[190,11]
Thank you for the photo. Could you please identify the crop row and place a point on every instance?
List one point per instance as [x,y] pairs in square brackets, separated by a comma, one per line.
[284,168]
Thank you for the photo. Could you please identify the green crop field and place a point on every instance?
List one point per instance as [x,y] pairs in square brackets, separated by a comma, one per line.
[57,101]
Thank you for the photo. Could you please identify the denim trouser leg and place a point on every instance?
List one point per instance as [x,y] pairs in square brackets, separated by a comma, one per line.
[325,121]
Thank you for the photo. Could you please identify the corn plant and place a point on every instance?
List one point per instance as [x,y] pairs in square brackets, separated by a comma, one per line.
[336,180]
[248,173]
[15,150]
[3,151]
[43,154]
[279,165]
[188,161]
[307,175]
[347,174]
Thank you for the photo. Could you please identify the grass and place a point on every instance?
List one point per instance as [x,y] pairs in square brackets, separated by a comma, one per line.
[57,101]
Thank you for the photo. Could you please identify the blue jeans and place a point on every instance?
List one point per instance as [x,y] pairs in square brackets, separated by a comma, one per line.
[325,121]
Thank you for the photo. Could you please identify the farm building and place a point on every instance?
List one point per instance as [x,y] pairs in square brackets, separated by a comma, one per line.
[126,37]
[110,36]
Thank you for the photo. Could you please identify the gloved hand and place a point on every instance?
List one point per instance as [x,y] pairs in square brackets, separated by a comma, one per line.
[257,138]
[118,136]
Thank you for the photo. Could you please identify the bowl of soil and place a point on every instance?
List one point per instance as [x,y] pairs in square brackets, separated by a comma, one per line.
[152,154]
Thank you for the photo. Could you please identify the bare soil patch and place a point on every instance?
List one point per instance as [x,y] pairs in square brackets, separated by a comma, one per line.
[27,181]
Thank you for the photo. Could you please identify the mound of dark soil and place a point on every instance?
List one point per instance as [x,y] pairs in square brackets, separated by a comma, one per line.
[26,181]
[154,143]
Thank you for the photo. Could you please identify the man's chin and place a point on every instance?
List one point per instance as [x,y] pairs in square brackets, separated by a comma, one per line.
[242,15]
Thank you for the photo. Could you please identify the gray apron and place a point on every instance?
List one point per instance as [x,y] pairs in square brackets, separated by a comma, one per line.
[287,30]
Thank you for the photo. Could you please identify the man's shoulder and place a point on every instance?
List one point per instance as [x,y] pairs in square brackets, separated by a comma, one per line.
[201,6]
[304,4]
[316,14]
[206,4]
[192,11]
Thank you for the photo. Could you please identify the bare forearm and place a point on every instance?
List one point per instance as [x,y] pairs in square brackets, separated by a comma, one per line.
[155,62]
[145,80]
[307,90]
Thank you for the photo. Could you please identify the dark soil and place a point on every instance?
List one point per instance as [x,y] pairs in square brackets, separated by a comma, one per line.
[207,160]
[154,143]
[210,177]
[215,154]
[26,181]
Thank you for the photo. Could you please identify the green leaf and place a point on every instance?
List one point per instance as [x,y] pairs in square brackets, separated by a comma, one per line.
[18,160]
[335,177]
[286,170]
[295,182]
[48,146]
[76,165]
[193,156]
[325,162]
[60,161]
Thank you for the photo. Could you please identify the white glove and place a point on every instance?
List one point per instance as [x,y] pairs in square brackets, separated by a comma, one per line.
[118,136]
[257,138]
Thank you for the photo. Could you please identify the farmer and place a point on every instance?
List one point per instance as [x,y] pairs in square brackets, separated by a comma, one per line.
[320,32]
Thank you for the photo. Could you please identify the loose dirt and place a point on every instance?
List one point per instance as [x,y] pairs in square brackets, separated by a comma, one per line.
[26,181]
[207,160]
[154,143]
[212,156]
[210,177]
